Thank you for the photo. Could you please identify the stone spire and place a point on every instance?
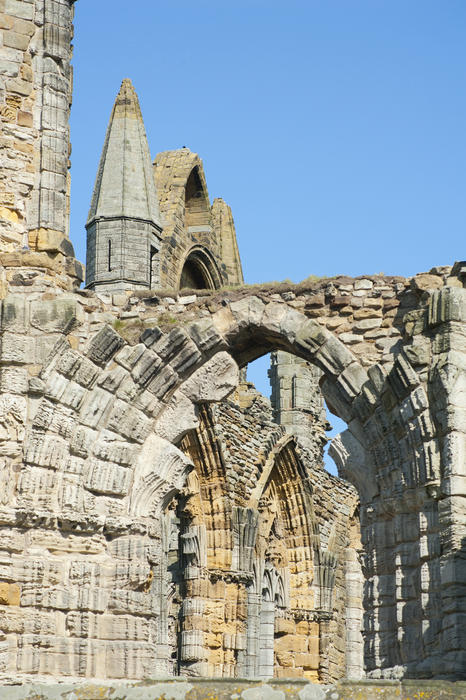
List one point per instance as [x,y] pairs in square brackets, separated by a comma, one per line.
[125,183]
[124,226]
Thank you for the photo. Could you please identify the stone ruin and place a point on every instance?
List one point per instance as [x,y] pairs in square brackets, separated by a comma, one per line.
[158,516]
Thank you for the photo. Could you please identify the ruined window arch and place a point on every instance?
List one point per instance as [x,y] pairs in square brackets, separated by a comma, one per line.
[197,207]
[199,271]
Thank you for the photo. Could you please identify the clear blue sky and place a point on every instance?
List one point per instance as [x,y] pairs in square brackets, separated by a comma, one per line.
[335,129]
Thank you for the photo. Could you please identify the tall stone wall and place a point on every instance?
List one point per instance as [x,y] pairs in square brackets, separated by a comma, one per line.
[193,228]
[35,97]
[35,102]
[99,392]
[96,399]
[98,569]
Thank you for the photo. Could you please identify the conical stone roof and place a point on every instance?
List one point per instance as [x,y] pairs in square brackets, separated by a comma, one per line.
[125,184]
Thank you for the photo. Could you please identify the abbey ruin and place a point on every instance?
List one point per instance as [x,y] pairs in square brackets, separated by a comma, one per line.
[158,516]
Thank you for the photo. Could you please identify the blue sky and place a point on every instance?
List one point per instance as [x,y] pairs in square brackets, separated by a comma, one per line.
[335,129]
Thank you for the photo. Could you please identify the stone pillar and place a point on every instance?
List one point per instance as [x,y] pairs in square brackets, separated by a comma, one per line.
[52,80]
[253,633]
[354,592]
[193,648]
[297,401]
[447,314]
[19,146]
[35,98]
[266,639]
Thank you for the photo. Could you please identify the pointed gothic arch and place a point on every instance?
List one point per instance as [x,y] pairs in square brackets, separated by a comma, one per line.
[197,205]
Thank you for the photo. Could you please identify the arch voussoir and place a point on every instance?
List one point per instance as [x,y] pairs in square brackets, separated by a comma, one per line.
[252,328]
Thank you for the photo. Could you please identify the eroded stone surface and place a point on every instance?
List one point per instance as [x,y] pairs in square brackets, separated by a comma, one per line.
[236,689]
[148,525]
[92,473]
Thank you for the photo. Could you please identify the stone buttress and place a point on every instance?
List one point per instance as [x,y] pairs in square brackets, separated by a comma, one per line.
[35,100]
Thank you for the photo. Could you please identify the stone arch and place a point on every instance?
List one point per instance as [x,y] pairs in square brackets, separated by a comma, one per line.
[282,599]
[124,393]
[246,329]
[199,270]
[189,222]
[205,452]
[253,327]
[94,410]
[389,414]
[178,164]
[197,205]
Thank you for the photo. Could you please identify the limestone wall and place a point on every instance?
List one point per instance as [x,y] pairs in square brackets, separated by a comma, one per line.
[35,97]
[98,392]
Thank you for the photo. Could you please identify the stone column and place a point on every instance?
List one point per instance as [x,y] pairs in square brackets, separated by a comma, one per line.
[447,314]
[52,80]
[35,99]
[266,639]
[354,592]
[297,401]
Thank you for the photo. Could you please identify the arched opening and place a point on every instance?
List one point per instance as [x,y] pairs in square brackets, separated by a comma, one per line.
[197,207]
[391,450]
[199,271]
[250,524]
[273,544]
[292,385]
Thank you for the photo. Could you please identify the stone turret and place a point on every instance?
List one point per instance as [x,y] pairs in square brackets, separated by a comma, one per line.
[123,227]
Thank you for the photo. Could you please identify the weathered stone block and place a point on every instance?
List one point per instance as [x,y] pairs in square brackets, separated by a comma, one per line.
[57,315]
[17,349]
[104,477]
[104,346]
[94,407]
[333,356]
[10,594]
[448,304]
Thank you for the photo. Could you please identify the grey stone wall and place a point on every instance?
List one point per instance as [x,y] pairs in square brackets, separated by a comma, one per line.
[90,423]
[297,401]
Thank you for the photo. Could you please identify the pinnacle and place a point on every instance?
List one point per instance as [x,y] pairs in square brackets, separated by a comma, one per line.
[127,90]
[127,103]
[125,184]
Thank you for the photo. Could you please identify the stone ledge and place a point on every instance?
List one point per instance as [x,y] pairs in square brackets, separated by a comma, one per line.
[236,689]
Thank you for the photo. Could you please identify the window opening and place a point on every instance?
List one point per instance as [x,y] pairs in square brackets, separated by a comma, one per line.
[294,388]
[152,272]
